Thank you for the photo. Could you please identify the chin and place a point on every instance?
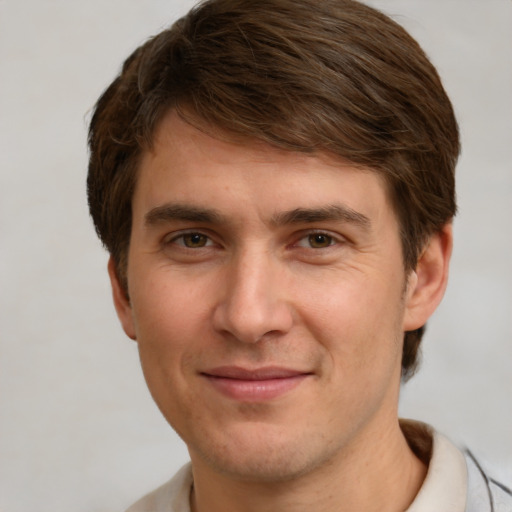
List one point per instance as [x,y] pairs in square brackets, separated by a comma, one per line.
[261,467]
[261,458]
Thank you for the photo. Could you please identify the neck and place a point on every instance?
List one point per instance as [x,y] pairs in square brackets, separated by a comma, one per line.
[378,472]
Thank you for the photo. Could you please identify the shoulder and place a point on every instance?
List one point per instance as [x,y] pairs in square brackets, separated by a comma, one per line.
[485,493]
[172,496]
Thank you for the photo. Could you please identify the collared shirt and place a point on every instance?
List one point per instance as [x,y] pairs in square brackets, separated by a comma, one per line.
[455,482]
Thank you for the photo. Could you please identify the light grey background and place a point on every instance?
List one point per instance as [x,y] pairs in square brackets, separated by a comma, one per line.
[78,430]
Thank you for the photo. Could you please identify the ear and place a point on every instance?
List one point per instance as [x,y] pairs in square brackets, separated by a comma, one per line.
[121,302]
[427,283]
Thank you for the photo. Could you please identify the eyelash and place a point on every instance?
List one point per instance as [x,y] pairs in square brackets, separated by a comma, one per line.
[182,237]
[180,240]
[310,237]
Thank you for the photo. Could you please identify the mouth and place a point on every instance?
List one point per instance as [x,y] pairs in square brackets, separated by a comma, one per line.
[254,385]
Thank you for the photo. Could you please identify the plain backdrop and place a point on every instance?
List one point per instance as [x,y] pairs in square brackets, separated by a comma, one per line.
[78,429]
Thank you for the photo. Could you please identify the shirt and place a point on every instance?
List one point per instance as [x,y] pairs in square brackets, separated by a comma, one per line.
[455,482]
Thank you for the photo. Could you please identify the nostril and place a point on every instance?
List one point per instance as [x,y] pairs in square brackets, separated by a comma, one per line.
[252,325]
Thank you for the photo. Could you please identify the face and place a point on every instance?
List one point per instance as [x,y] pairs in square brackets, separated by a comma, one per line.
[268,300]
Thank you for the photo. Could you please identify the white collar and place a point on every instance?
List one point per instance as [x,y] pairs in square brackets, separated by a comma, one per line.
[445,487]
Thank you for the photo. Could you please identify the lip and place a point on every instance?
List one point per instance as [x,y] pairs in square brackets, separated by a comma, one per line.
[254,385]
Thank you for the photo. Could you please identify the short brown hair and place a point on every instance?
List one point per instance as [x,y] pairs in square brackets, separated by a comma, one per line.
[306,75]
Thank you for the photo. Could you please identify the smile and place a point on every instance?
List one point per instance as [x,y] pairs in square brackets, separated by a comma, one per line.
[258,385]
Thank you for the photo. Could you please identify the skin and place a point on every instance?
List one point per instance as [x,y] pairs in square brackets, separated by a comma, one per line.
[221,273]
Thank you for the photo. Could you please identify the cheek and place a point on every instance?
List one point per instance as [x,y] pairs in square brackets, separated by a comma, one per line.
[359,324]
[170,322]
[168,334]
[167,306]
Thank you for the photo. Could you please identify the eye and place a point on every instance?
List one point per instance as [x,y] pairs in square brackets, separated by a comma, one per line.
[192,240]
[317,241]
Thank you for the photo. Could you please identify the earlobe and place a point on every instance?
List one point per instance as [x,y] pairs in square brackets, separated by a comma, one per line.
[427,283]
[121,302]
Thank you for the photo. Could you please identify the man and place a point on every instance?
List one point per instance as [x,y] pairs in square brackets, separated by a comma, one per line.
[274,181]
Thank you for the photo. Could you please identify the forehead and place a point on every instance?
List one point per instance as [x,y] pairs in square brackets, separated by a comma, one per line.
[186,159]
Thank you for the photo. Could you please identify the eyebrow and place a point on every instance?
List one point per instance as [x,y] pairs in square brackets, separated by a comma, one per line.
[171,212]
[332,212]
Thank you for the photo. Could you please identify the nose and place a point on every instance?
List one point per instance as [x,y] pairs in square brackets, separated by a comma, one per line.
[253,302]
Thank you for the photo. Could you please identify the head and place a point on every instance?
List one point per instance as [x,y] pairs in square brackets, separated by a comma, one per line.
[334,77]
